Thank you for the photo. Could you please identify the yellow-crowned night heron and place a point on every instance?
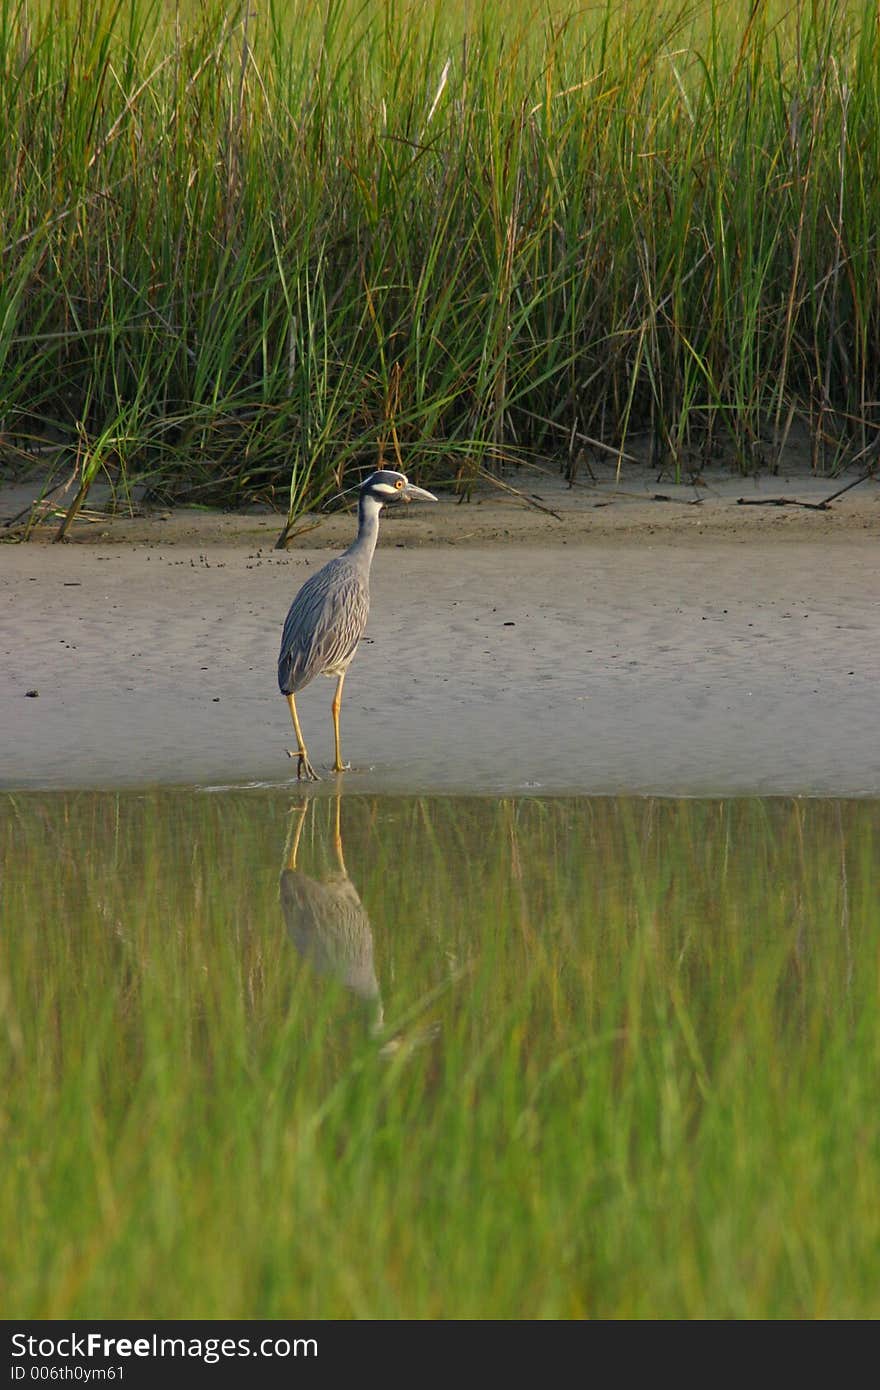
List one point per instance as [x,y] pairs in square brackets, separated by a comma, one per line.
[327,618]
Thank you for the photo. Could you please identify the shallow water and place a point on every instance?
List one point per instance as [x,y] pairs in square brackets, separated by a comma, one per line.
[590,1039]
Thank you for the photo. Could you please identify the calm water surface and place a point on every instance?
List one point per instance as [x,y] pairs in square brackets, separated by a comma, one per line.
[546,1058]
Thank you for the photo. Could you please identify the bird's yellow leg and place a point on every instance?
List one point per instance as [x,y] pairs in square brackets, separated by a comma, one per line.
[337,835]
[304,767]
[295,833]
[339,765]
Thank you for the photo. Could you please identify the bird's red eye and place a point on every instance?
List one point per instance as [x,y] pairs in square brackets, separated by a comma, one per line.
[399,484]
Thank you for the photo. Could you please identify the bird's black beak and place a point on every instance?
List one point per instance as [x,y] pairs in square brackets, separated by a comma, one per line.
[411,493]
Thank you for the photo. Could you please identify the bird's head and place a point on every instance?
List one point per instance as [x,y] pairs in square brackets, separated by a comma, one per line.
[388,486]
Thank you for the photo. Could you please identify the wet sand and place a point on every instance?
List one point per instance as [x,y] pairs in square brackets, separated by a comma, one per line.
[625,645]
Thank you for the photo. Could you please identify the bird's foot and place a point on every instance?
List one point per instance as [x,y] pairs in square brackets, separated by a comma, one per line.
[304,767]
[341,767]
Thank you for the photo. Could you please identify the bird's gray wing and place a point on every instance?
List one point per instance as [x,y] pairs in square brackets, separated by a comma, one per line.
[323,626]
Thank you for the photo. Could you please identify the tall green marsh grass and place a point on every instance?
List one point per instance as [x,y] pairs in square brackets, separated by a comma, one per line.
[627,1065]
[246,246]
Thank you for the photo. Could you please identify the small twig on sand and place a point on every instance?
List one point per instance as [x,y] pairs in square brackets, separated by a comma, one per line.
[682,501]
[780,502]
[813,506]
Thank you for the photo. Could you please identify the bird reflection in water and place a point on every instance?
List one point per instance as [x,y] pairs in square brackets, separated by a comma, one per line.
[329,927]
[327,921]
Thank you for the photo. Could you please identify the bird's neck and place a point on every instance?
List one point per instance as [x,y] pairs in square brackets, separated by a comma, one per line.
[368,530]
